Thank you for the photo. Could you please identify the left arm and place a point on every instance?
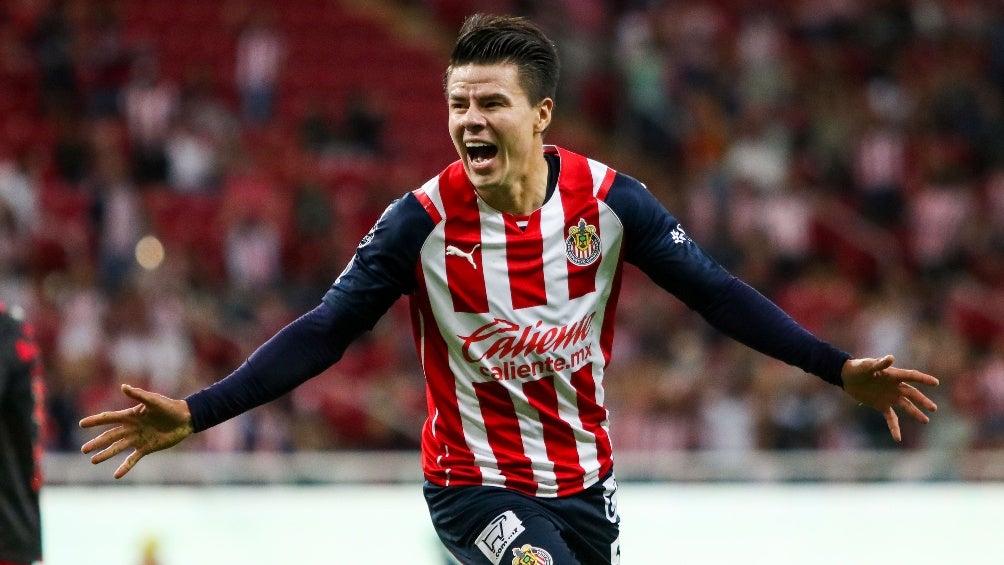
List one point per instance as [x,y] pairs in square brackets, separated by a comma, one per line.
[655,242]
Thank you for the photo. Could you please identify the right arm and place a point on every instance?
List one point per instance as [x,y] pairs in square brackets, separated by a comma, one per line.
[382,269]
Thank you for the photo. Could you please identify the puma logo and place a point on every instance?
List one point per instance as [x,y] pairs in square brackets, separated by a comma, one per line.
[469,255]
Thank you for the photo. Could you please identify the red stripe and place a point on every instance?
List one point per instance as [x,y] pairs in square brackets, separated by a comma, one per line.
[576,186]
[610,314]
[463,230]
[584,383]
[446,456]
[504,436]
[558,436]
[525,257]
[592,414]
[608,180]
[426,203]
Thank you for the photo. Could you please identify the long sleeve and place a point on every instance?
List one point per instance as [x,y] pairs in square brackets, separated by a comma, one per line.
[301,350]
[657,244]
[382,269]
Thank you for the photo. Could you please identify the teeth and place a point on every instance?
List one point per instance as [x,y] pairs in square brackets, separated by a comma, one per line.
[478,144]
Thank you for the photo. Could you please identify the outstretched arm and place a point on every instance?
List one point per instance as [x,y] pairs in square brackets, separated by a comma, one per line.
[656,243]
[156,423]
[296,353]
[878,384]
[382,269]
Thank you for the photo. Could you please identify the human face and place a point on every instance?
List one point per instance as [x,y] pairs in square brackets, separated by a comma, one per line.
[497,132]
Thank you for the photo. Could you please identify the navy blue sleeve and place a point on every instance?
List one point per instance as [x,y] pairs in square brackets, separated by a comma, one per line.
[655,242]
[382,269]
[384,265]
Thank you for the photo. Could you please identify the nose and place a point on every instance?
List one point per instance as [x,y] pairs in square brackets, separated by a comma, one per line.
[473,118]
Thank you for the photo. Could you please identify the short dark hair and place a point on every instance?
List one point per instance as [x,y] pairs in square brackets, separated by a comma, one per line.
[488,39]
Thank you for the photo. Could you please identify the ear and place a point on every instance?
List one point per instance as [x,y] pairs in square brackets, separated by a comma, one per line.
[544,109]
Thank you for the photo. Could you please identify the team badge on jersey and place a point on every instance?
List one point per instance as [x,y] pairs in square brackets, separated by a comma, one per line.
[529,555]
[582,246]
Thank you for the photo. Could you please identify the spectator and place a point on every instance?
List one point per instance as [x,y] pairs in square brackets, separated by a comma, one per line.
[260,54]
[149,105]
[191,160]
[119,220]
[106,60]
[54,44]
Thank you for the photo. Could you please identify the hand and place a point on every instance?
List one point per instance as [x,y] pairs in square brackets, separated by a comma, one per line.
[877,383]
[156,423]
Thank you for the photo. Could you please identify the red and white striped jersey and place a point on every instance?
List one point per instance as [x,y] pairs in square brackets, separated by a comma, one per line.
[513,320]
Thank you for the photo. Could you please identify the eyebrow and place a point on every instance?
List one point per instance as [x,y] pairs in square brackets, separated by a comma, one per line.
[491,97]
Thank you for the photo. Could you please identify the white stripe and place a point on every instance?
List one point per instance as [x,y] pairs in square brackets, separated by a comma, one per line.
[532,430]
[599,172]
[431,189]
[473,423]
[449,324]
[494,259]
[552,229]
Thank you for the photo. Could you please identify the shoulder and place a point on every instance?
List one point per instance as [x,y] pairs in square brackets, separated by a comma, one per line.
[629,197]
[404,225]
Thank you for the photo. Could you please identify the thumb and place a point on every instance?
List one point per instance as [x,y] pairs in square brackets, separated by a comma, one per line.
[882,363]
[873,364]
[138,394]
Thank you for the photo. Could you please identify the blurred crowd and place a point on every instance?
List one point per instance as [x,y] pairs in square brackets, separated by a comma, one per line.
[178,180]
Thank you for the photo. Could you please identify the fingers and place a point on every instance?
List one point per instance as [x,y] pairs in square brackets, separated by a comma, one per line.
[918,398]
[910,376]
[910,409]
[892,421]
[119,416]
[128,464]
[113,450]
[104,440]
[106,418]
[908,402]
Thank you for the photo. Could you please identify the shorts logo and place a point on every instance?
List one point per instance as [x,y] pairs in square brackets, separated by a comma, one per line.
[610,500]
[496,537]
[529,555]
[582,246]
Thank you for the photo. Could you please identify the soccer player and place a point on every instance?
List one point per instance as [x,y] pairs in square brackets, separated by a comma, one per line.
[21,410]
[512,260]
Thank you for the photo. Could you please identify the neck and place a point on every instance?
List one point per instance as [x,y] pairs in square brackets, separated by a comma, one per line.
[524,195]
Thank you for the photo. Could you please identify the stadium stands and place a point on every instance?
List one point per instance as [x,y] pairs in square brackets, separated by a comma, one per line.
[748,119]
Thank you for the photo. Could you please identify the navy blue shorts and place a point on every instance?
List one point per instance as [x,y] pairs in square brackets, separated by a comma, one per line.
[497,526]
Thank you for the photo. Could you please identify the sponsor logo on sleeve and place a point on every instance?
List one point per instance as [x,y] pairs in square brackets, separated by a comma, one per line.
[679,236]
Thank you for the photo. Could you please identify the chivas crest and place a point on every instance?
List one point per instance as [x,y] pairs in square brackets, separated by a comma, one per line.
[582,246]
[530,555]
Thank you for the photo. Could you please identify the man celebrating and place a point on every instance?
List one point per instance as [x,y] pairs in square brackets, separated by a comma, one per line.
[512,259]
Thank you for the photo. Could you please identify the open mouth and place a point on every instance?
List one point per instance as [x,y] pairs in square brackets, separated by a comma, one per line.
[481,153]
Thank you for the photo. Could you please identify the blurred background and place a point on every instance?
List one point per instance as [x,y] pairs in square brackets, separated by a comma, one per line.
[181,178]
